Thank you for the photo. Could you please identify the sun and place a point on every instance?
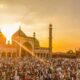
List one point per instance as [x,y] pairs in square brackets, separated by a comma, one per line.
[8,33]
[8,30]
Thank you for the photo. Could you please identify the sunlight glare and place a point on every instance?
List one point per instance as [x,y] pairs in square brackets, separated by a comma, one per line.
[8,30]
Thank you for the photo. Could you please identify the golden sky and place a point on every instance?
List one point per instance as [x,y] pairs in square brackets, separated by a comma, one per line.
[35,15]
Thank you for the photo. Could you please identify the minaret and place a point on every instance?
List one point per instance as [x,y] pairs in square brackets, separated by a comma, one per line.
[34,41]
[19,42]
[50,38]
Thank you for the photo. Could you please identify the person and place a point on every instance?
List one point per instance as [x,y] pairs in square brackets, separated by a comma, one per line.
[16,77]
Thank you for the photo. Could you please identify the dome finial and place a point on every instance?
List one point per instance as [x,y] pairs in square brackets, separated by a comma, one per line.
[20,28]
[0,29]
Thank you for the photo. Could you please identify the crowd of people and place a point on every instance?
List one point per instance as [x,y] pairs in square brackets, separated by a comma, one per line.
[31,68]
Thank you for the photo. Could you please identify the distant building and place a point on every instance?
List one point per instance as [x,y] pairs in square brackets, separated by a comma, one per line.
[23,45]
[77,52]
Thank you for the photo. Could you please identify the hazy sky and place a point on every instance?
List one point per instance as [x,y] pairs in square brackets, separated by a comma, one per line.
[35,15]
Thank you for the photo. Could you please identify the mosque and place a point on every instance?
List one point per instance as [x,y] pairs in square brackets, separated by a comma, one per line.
[23,45]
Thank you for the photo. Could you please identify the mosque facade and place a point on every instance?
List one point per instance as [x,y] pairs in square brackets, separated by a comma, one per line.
[23,45]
